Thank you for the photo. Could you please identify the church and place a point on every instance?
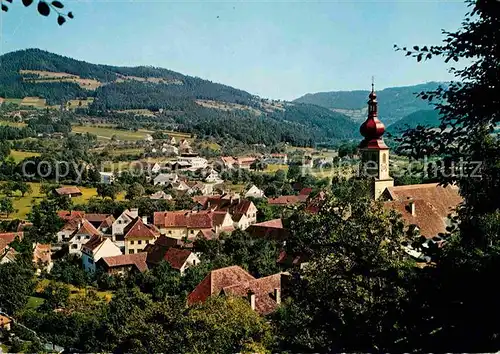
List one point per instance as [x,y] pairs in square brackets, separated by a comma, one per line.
[423,206]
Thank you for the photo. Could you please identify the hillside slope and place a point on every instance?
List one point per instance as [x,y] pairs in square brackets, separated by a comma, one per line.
[187,102]
[394,103]
[427,117]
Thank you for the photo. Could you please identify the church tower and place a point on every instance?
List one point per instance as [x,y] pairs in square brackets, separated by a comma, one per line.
[374,152]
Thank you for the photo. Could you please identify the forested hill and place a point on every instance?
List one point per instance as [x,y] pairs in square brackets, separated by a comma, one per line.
[427,117]
[394,103]
[186,102]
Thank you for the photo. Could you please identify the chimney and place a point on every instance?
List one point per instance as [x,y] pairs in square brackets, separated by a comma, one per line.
[145,220]
[411,207]
[251,299]
[134,212]
[277,295]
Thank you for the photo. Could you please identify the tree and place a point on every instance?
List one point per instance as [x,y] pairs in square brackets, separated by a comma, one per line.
[294,171]
[6,206]
[8,188]
[16,285]
[44,8]
[135,191]
[108,190]
[24,188]
[45,220]
[352,296]
[56,295]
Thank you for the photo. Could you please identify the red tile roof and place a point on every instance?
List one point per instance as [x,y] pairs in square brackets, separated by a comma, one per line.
[176,257]
[96,217]
[305,191]
[286,200]
[427,218]
[444,199]
[94,242]
[8,237]
[138,260]
[275,223]
[68,215]
[188,219]
[87,228]
[68,190]
[137,229]
[272,230]
[216,280]
[262,288]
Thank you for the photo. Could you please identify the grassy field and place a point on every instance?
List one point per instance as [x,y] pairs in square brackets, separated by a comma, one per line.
[13,124]
[130,151]
[84,103]
[271,168]
[18,156]
[107,132]
[75,291]
[34,302]
[13,100]
[24,204]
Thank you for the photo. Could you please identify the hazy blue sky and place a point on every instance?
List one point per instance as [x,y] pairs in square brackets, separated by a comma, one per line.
[278,49]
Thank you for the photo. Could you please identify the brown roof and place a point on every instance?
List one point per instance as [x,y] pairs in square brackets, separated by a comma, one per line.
[68,190]
[443,199]
[217,280]
[94,242]
[176,257]
[9,237]
[262,288]
[427,218]
[189,219]
[271,230]
[305,191]
[275,223]
[42,253]
[4,320]
[87,228]
[108,222]
[286,200]
[68,215]
[138,260]
[97,218]
[137,229]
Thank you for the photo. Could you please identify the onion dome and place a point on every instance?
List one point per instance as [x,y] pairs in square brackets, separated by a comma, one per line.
[372,129]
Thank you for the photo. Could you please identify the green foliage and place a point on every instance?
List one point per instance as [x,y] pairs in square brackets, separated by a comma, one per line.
[56,295]
[46,222]
[16,284]
[69,270]
[6,206]
[425,118]
[134,191]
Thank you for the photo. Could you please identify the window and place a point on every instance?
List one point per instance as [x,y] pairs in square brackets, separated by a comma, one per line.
[170,232]
[90,260]
[139,242]
[384,158]
[78,238]
[74,246]
[131,242]
[147,242]
[130,251]
[191,232]
[87,237]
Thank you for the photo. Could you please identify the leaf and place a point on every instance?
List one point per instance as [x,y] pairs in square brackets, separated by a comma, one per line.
[27,2]
[70,14]
[5,8]
[419,57]
[415,47]
[43,8]
[428,56]
[57,4]
[9,1]
[61,20]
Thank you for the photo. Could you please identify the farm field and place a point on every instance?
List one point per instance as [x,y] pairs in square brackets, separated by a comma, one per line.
[272,168]
[107,132]
[74,291]
[24,204]
[12,124]
[19,156]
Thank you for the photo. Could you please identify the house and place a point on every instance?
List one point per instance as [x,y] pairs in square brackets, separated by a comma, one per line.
[180,187]
[148,138]
[122,221]
[124,264]
[179,259]
[255,192]
[271,230]
[94,249]
[233,204]
[73,221]
[203,188]
[263,294]
[179,165]
[213,177]
[229,162]
[277,159]
[195,162]
[9,237]
[165,179]
[287,200]
[172,141]
[71,192]
[81,236]
[184,146]
[160,195]
[423,206]
[240,221]
[42,257]
[181,224]
[7,253]
[170,150]
[107,177]
[5,323]
[138,234]
[150,167]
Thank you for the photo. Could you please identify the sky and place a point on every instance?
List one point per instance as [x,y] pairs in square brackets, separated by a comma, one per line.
[274,49]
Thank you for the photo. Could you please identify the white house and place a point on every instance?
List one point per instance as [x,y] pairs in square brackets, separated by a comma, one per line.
[96,248]
[180,259]
[107,177]
[148,138]
[203,188]
[213,177]
[240,221]
[81,237]
[165,178]
[170,150]
[172,141]
[122,221]
[195,162]
[255,192]
[160,195]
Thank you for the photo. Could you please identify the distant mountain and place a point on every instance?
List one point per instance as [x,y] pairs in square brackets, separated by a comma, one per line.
[186,102]
[427,117]
[394,103]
